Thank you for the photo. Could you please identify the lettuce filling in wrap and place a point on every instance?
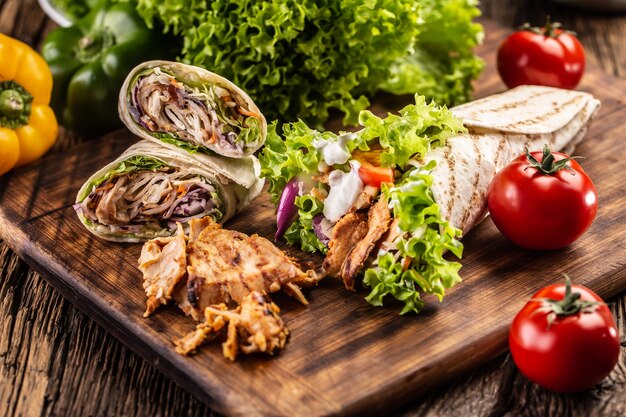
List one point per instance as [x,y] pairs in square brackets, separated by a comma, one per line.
[388,201]
[191,108]
[364,200]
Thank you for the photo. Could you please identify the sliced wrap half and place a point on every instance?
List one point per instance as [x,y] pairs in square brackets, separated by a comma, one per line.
[388,201]
[191,108]
[499,128]
[147,189]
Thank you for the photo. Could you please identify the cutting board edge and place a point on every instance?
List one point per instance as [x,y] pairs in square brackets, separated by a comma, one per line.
[224,404]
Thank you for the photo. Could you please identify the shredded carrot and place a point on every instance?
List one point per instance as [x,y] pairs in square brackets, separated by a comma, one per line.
[249,113]
[227,97]
[406,263]
[181,191]
[213,137]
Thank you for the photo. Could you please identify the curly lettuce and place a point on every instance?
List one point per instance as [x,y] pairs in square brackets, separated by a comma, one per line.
[301,232]
[443,64]
[416,265]
[300,58]
[414,131]
[417,129]
[413,264]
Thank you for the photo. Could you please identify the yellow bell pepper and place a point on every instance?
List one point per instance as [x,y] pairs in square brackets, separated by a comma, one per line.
[28,127]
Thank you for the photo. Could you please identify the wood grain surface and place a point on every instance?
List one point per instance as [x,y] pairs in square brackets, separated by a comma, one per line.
[57,362]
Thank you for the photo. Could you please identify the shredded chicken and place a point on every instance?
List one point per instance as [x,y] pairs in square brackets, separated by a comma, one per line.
[379,218]
[365,199]
[354,237]
[210,115]
[163,262]
[207,330]
[140,197]
[348,231]
[217,269]
[225,265]
[254,326]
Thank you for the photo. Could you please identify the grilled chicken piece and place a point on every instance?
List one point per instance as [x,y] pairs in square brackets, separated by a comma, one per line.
[354,237]
[204,331]
[254,326]
[379,218]
[224,266]
[348,231]
[163,262]
[365,199]
[216,268]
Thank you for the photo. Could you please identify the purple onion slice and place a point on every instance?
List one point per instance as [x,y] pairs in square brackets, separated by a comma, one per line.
[322,228]
[287,211]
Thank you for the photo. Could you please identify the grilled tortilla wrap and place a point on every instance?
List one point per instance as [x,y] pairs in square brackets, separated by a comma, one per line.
[396,234]
[499,127]
[189,107]
[144,192]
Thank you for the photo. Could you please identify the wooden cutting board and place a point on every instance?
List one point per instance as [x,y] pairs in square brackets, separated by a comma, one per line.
[345,356]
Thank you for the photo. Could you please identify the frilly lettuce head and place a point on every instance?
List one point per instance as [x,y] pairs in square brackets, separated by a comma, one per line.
[300,58]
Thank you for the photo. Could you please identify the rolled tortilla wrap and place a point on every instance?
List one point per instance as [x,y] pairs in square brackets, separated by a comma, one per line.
[189,107]
[397,235]
[499,128]
[144,192]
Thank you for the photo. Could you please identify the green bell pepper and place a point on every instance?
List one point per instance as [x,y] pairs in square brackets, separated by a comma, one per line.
[90,60]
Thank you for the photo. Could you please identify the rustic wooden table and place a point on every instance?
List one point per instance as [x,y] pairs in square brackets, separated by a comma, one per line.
[56,361]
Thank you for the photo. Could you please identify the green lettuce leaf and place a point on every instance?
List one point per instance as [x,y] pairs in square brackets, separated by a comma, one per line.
[131,164]
[190,147]
[442,66]
[417,129]
[300,58]
[426,237]
[284,157]
[251,131]
[301,231]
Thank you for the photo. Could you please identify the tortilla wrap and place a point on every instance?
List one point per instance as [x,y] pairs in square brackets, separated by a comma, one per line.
[181,105]
[500,127]
[162,186]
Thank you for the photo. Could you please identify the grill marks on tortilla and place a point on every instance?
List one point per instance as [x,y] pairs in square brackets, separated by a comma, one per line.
[504,107]
[556,109]
[525,110]
[498,154]
[475,199]
[449,158]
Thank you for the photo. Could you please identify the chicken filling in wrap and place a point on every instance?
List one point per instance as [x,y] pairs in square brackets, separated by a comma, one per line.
[132,200]
[364,200]
[193,116]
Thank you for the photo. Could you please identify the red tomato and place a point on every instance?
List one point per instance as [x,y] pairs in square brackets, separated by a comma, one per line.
[547,56]
[542,211]
[373,175]
[575,351]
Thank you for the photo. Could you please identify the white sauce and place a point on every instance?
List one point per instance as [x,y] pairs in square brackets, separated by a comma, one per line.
[345,188]
[334,152]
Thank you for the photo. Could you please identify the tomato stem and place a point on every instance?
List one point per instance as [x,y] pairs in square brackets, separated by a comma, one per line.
[570,304]
[549,30]
[548,166]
